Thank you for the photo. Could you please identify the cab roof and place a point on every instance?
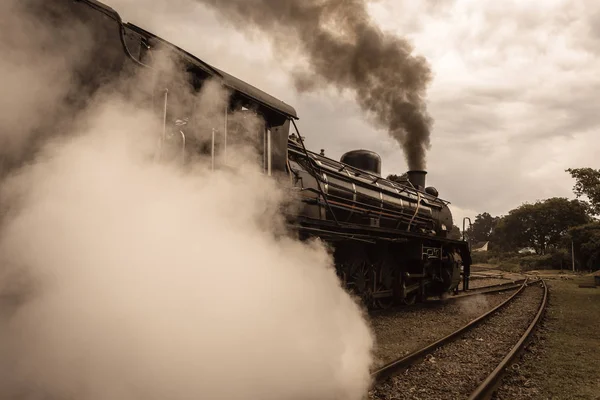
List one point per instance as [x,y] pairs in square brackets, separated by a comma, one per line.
[226,79]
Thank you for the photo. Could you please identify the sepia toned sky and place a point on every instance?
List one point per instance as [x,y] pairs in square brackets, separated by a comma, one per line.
[514,95]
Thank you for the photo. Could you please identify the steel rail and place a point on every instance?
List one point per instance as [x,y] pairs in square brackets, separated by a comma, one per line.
[391,368]
[500,287]
[478,275]
[487,387]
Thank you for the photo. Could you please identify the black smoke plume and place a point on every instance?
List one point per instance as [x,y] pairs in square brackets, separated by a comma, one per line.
[346,49]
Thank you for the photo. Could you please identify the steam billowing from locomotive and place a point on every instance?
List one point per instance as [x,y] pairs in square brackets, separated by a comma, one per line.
[143,269]
[122,278]
[345,49]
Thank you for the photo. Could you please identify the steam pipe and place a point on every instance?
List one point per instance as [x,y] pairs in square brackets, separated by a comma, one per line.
[465,219]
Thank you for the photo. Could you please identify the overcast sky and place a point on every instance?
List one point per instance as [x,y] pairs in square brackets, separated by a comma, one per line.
[514,93]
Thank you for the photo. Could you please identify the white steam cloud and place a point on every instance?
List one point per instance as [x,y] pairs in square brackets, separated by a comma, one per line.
[122,278]
[474,305]
[35,64]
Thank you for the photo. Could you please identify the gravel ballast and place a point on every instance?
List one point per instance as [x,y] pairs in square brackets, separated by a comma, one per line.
[456,369]
[403,331]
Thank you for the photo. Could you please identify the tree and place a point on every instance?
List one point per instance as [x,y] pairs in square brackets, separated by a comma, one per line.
[455,233]
[541,226]
[586,243]
[505,237]
[587,183]
[482,228]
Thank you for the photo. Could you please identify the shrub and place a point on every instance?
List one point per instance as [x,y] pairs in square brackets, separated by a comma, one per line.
[481,257]
[509,267]
[494,260]
[555,260]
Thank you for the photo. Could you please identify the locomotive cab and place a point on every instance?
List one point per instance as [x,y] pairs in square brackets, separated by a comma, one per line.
[211,115]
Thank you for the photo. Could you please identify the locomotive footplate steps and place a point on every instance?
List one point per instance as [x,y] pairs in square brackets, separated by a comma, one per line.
[466,276]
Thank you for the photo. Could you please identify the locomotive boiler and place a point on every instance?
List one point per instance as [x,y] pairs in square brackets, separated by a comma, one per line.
[389,239]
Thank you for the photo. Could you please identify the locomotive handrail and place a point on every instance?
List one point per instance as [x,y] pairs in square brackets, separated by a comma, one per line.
[399,191]
[416,211]
[357,238]
[166,104]
[163,135]
[391,212]
[388,212]
[388,234]
[423,203]
[113,14]
[370,177]
[183,147]
[405,198]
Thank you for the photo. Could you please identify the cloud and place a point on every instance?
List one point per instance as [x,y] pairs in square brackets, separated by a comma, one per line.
[512,97]
[513,91]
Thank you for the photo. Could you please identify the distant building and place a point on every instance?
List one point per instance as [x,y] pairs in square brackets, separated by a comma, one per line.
[481,246]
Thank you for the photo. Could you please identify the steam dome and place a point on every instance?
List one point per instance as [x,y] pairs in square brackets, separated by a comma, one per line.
[365,160]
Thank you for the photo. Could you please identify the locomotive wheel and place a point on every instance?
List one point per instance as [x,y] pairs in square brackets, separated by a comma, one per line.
[362,280]
[383,303]
[383,283]
[410,299]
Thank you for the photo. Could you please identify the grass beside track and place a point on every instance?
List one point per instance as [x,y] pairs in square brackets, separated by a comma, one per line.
[563,360]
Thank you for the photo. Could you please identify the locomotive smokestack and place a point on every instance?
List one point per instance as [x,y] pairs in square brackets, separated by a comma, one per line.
[417,178]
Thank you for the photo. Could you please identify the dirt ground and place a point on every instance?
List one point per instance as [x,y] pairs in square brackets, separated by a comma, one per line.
[563,359]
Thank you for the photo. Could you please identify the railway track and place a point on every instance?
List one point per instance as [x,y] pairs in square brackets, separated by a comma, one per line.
[476,276]
[497,288]
[500,287]
[469,362]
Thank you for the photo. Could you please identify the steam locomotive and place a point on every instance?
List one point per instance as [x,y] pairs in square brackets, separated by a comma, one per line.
[389,239]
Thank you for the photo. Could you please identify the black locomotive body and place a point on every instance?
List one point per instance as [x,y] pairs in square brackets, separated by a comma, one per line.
[389,239]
